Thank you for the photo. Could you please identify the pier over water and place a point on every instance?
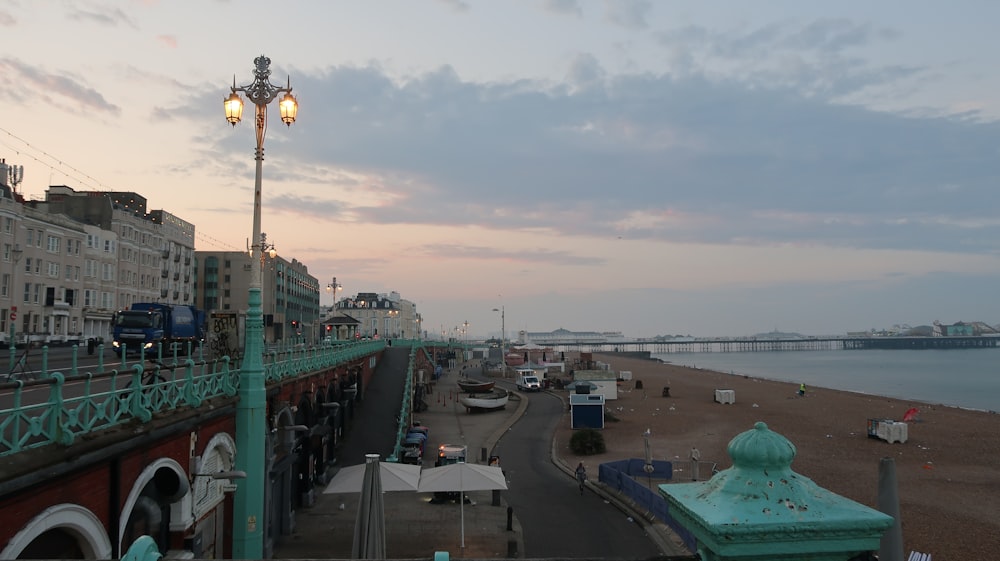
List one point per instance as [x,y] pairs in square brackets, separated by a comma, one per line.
[753,344]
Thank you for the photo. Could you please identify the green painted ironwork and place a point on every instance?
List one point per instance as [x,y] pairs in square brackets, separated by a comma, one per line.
[79,402]
[759,509]
[416,346]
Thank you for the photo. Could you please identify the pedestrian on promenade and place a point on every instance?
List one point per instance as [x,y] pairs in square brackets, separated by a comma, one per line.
[802,390]
[581,475]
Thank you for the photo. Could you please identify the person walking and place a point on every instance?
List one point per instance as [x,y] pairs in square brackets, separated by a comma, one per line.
[802,390]
[581,475]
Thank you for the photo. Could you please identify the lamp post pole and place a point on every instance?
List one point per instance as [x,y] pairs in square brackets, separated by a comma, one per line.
[333,287]
[12,340]
[465,341]
[503,343]
[251,410]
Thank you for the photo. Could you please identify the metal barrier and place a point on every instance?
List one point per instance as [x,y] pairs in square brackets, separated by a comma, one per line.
[46,411]
[625,477]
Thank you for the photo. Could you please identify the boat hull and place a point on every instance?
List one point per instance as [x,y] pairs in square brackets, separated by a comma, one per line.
[476,386]
[497,399]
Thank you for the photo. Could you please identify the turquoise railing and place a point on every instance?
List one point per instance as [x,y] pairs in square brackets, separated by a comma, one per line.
[416,346]
[57,408]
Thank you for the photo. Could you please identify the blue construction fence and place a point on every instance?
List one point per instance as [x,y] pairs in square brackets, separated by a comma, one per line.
[630,478]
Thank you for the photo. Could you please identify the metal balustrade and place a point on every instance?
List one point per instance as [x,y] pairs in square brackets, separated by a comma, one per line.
[58,408]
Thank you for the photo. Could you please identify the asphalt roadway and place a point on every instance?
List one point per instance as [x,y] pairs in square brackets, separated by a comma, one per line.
[417,528]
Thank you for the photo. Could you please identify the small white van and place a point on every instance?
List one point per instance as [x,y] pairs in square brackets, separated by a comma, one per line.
[527,380]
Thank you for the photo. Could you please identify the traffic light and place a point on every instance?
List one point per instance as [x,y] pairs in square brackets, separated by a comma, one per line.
[294,324]
[329,328]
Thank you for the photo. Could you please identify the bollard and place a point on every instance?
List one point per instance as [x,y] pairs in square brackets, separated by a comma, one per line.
[510,519]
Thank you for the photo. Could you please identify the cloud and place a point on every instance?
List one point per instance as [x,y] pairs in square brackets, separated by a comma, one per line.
[630,14]
[455,5]
[521,256]
[169,41]
[59,90]
[697,158]
[564,7]
[813,58]
[111,17]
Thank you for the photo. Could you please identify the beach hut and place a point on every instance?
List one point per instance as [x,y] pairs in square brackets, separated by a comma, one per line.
[587,411]
[605,380]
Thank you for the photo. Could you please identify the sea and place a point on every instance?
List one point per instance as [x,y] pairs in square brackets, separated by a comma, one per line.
[966,378]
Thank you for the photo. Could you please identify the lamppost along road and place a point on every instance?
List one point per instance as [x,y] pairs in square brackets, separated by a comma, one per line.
[503,342]
[333,288]
[251,423]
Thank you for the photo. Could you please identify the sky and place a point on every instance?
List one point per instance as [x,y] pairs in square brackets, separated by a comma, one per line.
[651,167]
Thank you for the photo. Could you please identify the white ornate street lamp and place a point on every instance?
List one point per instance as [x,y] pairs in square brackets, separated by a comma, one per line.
[251,410]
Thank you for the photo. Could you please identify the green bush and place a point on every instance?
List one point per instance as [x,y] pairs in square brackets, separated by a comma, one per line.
[586,442]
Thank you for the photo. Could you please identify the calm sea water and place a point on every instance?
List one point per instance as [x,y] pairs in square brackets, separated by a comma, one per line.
[968,378]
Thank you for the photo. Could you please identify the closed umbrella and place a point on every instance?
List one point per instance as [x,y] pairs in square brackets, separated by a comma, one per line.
[369,529]
[462,477]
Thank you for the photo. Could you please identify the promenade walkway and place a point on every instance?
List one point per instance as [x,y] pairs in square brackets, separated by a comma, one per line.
[415,527]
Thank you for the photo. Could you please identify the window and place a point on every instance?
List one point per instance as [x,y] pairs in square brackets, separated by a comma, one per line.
[107,271]
[36,294]
[53,269]
[4,285]
[88,298]
[27,292]
[69,272]
[27,265]
[38,266]
[31,237]
[6,252]
[8,225]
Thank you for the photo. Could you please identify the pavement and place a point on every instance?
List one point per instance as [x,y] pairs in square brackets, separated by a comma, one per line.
[416,527]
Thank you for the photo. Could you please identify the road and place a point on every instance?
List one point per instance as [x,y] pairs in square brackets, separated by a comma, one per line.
[556,520]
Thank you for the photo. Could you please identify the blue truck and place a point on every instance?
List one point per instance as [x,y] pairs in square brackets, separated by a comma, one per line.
[145,327]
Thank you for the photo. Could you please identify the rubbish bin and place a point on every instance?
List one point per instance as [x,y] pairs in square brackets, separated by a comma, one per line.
[90,345]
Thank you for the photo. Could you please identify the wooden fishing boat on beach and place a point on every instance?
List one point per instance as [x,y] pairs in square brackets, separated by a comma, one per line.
[469,385]
[496,399]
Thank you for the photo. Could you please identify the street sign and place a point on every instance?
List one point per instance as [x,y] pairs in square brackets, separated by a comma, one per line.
[13,316]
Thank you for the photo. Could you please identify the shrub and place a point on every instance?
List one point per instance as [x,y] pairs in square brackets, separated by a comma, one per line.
[586,442]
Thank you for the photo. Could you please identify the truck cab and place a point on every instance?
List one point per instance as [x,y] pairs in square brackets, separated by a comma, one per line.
[150,328]
[451,454]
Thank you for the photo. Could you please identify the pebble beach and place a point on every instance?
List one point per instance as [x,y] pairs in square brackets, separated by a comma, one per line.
[947,470]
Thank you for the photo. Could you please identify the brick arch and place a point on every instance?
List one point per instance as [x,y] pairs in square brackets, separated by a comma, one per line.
[91,535]
[137,487]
